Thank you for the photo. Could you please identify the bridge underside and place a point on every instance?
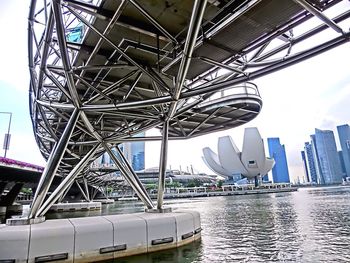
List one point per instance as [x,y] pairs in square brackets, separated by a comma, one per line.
[105,71]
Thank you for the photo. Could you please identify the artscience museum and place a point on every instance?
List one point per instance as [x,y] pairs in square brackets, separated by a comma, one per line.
[229,161]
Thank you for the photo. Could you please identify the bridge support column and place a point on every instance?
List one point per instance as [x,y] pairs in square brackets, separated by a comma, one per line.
[8,199]
[162,165]
[53,163]
[67,182]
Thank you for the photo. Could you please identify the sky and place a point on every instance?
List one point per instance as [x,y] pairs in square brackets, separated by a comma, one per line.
[312,94]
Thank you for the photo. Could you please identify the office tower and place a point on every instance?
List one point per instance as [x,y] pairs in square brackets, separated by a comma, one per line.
[342,163]
[135,153]
[310,162]
[344,138]
[327,157]
[307,175]
[277,151]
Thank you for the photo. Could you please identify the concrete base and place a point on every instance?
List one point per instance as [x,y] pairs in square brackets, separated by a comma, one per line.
[104,201]
[161,210]
[24,221]
[69,207]
[90,239]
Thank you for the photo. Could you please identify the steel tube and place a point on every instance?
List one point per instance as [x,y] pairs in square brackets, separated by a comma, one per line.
[162,165]
[153,21]
[52,164]
[129,178]
[68,180]
[131,170]
[196,20]
[105,32]
[320,15]
[60,31]
[121,52]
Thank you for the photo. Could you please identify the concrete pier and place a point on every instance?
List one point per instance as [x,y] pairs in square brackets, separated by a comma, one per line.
[69,207]
[90,239]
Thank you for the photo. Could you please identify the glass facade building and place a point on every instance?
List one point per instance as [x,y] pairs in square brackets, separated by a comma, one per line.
[277,151]
[344,139]
[310,162]
[327,157]
[307,174]
[134,152]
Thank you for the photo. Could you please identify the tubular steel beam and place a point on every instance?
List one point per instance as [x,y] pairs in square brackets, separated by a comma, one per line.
[320,15]
[67,182]
[130,178]
[118,49]
[107,30]
[196,20]
[52,164]
[60,31]
[162,165]
[131,170]
[153,21]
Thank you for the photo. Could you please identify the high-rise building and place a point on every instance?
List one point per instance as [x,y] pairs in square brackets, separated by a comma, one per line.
[327,157]
[342,163]
[277,151]
[307,174]
[344,138]
[134,152]
[319,175]
[310,163]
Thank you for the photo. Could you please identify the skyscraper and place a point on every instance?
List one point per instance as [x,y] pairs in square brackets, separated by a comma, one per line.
[342,163]
[310,162]
[277,151]
[327,157]
[344,138]
[135,153]
[307,174]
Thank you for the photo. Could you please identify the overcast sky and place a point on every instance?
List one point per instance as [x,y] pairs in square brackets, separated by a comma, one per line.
[309,95]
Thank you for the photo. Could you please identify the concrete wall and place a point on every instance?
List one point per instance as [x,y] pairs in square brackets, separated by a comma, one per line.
[90,239]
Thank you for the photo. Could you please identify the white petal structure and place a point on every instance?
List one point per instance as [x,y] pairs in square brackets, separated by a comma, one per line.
[251,162]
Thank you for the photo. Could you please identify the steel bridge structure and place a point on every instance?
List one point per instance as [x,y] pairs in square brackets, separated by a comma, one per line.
[103,71]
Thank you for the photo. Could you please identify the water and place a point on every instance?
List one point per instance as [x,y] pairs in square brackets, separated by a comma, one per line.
[311,225]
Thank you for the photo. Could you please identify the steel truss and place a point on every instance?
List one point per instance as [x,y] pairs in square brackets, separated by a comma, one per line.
[184,69]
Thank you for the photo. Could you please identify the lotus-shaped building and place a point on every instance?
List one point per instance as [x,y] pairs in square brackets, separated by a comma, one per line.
[250,163]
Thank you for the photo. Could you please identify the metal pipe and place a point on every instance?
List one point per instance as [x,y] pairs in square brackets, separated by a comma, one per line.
[68,180]
[60,31]
[111,88]
[7,138]
[45,52]
[133,85]
[52,164]
[131,170]
[291,60]
[153,21]
[105,32]
[119,50]
[81,190]
[129,178]
[221,65]
[196,20]
[162,165]
[320,15]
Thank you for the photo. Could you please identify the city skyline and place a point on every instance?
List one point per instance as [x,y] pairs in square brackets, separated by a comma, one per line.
[323,160]
[310,94]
